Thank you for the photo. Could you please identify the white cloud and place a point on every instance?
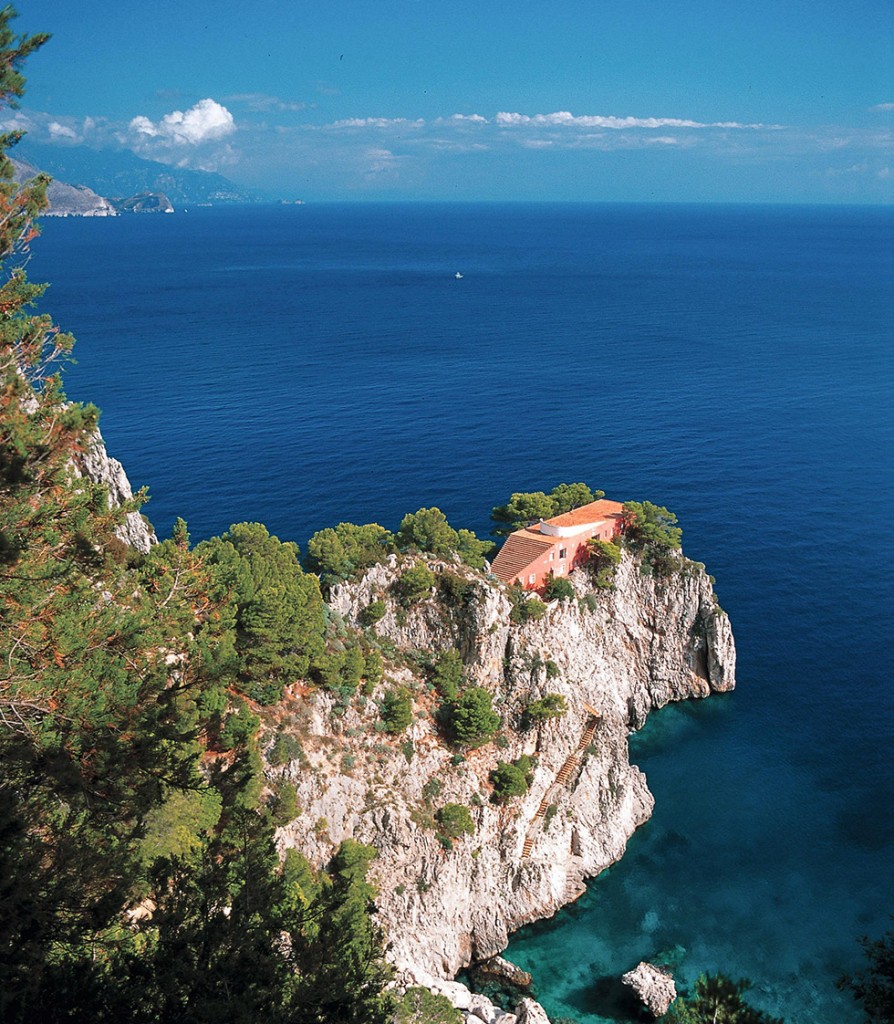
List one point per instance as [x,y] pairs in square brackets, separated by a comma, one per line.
[462,119]
[378,122]
[259,102]
[883,106]
[205,121]
[565,118]
[62,131]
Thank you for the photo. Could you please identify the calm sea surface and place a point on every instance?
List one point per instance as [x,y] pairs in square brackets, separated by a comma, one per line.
[307,365]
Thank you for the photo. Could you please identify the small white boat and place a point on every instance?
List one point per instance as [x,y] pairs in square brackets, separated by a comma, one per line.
[458,276]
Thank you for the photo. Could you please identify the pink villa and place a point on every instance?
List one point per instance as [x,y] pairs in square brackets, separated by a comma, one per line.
[556,545]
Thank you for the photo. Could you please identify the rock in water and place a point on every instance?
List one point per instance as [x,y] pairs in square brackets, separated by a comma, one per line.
[654,987]
[502,972]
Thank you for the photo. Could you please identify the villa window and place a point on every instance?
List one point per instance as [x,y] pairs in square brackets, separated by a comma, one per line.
[563,552]
[532,579]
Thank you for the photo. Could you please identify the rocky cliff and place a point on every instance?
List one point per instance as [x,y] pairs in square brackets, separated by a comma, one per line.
[97,465]
[67,200]
[615,655]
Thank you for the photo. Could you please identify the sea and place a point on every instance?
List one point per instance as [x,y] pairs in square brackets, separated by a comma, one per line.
[306,365]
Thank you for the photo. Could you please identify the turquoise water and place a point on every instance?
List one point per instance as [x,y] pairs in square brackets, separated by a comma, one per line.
[303,366]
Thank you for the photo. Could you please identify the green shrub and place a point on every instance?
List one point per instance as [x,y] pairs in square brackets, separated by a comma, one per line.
[432,788]
[552,669]
[553,705]
[510,779]
[558,588]
[525,607]
[414,584]
[283,803]
[549,815]
[373,612]
[397,710]
[603,562]
[455,821]
[336,553]
[372,670]
[447,674]
[454,591]
[240,728]
[472,718]
[284,749]
[428,530]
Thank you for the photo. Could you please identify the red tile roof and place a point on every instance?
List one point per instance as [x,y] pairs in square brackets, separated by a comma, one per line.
[521,548]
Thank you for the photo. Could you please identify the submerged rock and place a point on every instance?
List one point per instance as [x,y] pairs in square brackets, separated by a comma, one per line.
[497,970]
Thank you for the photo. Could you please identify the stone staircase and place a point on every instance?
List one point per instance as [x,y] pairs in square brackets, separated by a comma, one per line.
[562,780]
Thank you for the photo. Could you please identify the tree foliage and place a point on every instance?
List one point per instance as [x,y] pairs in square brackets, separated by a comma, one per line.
[526,607]
[447,674]
[473,720]
[717,1000]
[414,584]
[645,523]
[873,987]
[605,557]
[336,553]
[420,1006]
[345,974]
[397,710]
[650,529]
[558,588]
[511,779]
[552,705]
[278,609]
[527,507]
[428,530]
[455,821]
[131,769]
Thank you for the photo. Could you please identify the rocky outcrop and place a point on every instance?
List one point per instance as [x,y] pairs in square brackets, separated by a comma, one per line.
[621,653]
[654,987]
[97,465]
[67,200]
[145,202]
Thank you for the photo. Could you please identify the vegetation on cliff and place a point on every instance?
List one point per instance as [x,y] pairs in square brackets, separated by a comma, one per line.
[140,877]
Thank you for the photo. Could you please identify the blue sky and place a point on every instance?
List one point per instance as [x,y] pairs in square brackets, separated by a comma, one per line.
[680,100]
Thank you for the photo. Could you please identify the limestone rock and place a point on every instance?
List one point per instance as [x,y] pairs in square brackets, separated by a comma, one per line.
[530,1012]
[97,465]
[66,200]
[624,652]
[653,986]
[502,970]
[482,1008]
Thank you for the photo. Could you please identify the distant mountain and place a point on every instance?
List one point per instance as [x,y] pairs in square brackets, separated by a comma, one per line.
[67,200]
[121,174]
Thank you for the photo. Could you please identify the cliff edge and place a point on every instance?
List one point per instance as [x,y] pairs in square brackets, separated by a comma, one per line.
[613,654]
